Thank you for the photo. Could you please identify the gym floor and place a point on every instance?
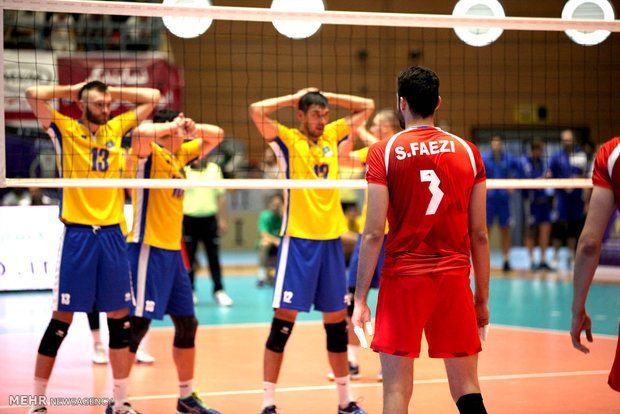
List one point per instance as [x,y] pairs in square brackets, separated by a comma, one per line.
[527,364]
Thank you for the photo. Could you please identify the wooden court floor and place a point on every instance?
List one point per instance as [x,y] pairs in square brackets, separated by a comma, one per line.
[521,371]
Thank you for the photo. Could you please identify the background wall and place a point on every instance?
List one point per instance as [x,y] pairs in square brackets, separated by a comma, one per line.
[524,81]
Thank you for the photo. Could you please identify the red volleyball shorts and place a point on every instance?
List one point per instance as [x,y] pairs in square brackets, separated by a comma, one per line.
[440,305]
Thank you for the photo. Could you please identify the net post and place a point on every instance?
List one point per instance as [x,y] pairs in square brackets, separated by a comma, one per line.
[2,127]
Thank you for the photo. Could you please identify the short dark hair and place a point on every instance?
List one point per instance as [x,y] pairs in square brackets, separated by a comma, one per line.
[96,85]
[165,115]
[312,98]
[420,88]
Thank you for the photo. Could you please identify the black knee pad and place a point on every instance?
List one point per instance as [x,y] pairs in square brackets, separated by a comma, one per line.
[139,328]
[120,331]
[52,338]
[471,404]
[350,306]
[278,336]
[337,339]
[184,330]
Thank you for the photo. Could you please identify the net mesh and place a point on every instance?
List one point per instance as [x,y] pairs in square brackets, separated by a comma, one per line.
[530,83]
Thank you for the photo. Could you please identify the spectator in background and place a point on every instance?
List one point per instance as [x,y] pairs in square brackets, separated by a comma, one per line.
[569,162]
[204,219]
[62,35]
[500,164]
[538,209]
[23,29]
[269,165]
[269,227]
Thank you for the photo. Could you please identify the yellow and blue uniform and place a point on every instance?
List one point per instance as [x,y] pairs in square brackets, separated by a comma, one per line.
[81,154]
[93,262]
[154,242]
[310,266]
[355,256]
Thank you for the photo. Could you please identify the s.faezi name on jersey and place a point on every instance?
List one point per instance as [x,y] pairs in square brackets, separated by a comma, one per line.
[424,148]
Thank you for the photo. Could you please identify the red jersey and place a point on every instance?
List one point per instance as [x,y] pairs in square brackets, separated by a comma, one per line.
[430,175]
[606,170]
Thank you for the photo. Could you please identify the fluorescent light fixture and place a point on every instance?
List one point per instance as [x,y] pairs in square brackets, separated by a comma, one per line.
[587,9]
[478,36]
[296,29]
[187,27]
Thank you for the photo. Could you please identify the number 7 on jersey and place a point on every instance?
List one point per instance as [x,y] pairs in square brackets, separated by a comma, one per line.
[437,194]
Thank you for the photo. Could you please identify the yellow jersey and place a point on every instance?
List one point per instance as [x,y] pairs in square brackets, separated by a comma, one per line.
[314,214]
[158,212]
[82,154]
[361,220]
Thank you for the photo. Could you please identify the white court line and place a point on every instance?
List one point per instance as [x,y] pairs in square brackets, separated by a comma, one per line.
[370,385]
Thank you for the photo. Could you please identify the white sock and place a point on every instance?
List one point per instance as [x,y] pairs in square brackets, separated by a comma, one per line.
[262,273]
[354,354]
[96,337]
[120,391]
[40,388]
[269,395]
[344,391]
[186,388]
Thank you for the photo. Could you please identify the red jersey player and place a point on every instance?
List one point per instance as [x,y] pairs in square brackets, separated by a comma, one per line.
[431,185]
[605,197]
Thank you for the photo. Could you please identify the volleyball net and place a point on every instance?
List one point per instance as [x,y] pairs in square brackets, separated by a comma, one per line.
[523,78]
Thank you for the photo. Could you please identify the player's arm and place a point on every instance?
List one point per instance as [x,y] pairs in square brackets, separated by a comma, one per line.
[479,242]
[222,215]
[146,133]
[260,111]
[361,108]
[146,99]
[372,239]
[211,135]
[602,204]
[38,97]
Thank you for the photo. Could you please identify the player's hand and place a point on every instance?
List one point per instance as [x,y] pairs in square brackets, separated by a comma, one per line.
[581,322]
[190,127]
[482,319]
[361,317]
[300,93]
[75,90]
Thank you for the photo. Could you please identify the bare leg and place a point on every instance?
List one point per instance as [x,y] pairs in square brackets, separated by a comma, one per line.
[337,360]
[462,376]
[397,383]
[184,360]
[505,233]
[272,361]
[45,364]
[120,360]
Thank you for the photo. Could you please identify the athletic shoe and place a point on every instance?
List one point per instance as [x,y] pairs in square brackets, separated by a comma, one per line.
[352,408]
[100,356]
[195,298]
[125,409]
[221,298]
[545,266]
[143,357]
[270,409]
[193,405]
[354,373]
[40,410]
[506,267]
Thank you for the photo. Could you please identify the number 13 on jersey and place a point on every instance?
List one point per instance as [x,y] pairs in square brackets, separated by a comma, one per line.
[437,194]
